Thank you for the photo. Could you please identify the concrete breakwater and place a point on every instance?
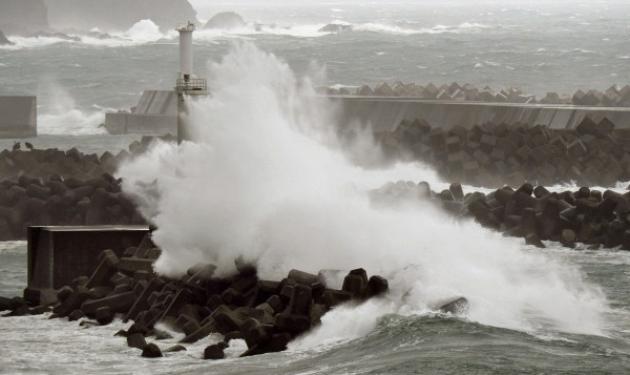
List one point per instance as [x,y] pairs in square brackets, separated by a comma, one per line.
[266,314]
[156,112]
[56,201]
[491,154]
[384,113]
[24,159]
[54,187]
[588,216]
[614,96]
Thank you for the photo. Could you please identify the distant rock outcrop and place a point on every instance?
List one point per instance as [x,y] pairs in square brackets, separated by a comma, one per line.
[117,15]
[3,39]
[225,21]
[23,16]
[335,28]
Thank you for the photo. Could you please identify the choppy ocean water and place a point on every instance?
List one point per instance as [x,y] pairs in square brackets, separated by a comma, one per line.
[397,344]
[539,47]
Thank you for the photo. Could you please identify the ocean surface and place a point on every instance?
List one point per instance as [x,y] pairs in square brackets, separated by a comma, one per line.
[538,46]
[398,344]
[551,311]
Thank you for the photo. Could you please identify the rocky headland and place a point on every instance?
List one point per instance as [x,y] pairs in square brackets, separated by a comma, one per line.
[117,15]
[23,16]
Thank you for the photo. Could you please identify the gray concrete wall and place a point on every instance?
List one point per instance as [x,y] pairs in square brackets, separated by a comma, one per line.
[157,102]
[131,123]
[385,113]
[18,116]
[155,114]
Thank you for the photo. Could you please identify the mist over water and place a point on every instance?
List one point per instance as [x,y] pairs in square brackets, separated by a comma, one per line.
[266,180]
[142,32]
[63,116]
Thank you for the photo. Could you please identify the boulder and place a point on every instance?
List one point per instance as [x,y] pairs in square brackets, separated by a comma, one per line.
[355,283]
[6,304]
[277,343]
[105,270]
[332,298]
[206,328]
[151,350]
[64,293]
[76,315]
[568,238]
[104,315]
[117,303]
[294,324]
[456,191]
[225,21]
[4,41]
[136,340]
[214,351]
[335,28]
[376,286]
[301,300]
[254,332]
[534,240]
[302,277]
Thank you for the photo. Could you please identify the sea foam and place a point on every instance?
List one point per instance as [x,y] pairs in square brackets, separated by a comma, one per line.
[267,180]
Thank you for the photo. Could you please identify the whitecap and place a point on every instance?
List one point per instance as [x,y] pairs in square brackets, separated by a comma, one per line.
[276,188]
[142,32]
[437,29]
[63,115]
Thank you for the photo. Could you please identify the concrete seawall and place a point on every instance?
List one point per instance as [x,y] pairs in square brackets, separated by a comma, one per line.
[156,113]
[18,116]
[385,113]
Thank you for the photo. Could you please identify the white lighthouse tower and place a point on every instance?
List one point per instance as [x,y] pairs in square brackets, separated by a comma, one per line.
[188,86]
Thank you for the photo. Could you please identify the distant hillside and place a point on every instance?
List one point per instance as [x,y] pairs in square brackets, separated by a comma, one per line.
[23,16]
[117,15]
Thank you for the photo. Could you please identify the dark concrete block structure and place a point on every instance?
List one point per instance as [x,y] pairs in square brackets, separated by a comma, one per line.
[18,116]
[155,114]
[58,254]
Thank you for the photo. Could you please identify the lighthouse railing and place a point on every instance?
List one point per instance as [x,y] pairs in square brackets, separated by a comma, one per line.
[191,85]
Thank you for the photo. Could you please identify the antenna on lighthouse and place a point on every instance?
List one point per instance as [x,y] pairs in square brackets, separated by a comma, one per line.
[188,87]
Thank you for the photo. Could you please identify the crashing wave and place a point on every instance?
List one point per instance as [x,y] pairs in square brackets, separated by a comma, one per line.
[142,32]
[228,26]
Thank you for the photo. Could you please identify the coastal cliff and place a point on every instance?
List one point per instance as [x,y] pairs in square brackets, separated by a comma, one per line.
[116,15]
[23,16]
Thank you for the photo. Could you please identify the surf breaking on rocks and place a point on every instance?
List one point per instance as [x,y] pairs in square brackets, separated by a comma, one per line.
[266,181]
